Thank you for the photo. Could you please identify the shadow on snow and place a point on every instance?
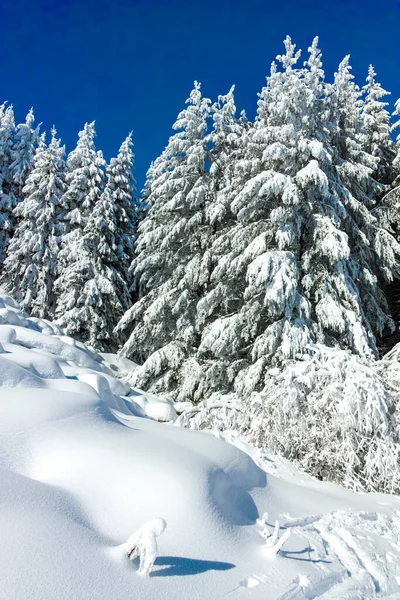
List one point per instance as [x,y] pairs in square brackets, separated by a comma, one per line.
[177,565]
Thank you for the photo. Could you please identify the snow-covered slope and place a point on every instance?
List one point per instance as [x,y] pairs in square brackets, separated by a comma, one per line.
[82,467]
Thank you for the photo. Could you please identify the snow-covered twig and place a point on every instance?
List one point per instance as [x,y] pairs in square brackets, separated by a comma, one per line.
[275,543]
[143,544]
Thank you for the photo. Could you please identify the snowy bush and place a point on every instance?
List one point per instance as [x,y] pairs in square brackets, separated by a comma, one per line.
[143,544]
[331,413]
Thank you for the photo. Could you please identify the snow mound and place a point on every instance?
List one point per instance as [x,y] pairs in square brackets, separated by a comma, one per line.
[82,468]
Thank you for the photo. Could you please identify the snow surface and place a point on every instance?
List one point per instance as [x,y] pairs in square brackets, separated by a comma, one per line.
[82,468]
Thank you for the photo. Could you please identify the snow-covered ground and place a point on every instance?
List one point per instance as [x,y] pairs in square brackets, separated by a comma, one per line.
[84,464]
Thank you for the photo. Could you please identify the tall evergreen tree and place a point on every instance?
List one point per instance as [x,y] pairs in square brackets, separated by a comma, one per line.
[7,199]
[121,187]
[31,264]
[93,295]
[304,258]
[378,141]
[394,128]
[171,244]
[226,142]
[7,132]
[23,151]
[84,179]
[84,186]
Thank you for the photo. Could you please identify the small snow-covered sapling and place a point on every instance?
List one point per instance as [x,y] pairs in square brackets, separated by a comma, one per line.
[262,523]
[275,543]
[143,543]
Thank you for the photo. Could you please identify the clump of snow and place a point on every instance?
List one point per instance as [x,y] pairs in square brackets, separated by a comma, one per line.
[143,544]
[82,467]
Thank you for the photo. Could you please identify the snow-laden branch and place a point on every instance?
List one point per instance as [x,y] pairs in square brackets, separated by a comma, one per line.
[143,544]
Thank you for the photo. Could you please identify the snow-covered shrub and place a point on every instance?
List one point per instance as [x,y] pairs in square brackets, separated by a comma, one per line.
[331,413]
[273,542]
[143,544]
[389,371]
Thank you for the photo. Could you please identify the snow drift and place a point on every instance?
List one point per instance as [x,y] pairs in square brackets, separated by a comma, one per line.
[83,467]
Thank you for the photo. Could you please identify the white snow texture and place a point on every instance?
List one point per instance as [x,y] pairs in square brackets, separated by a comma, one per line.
[82,467]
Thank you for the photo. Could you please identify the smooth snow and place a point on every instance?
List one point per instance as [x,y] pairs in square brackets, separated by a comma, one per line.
[83,467]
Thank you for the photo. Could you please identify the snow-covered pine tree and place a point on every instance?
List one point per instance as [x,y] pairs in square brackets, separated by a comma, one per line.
[254,311]
[304,260]
[93,295]
[388,212]
[226,141]
[230,166]
[84,179]
[24,146]
[374,249]
[312,273]
[31,265]
[7,199]
[168,269]
[121,186]
[394,128]
[84,186]
[376,119]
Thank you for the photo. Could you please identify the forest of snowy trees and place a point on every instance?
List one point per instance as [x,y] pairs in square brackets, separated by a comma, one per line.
[254,278]
[68,229]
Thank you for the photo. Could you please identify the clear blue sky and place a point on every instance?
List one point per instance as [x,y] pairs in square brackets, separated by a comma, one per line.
[130,64]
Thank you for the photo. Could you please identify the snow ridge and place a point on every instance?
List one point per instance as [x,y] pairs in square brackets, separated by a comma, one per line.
[83,464]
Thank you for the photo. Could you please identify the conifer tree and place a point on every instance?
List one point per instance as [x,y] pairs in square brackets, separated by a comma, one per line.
[170,248]
[7,131]
[394,128]
[304,258]
[377,128]
[84,186]
[84,179]
[23,150]
[226,140]
[121,187]
[7,199]
[31,264]
[93,294]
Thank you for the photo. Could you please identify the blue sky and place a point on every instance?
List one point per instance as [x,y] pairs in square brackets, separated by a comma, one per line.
[130,64]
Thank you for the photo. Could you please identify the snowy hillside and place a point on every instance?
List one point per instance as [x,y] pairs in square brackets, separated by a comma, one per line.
[83,465]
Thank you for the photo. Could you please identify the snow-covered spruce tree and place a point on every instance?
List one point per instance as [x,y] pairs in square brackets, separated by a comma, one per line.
[359,172]
[230,166]
[394,128]
[305,254]
[31,265]
[168,269]
[84,186]
[304,258]
[7,198]
[253,309]
[313,274]
[376,120]
[128,211]
[26,140]
[226,141]
[84,180]
[388,212]
[93,295]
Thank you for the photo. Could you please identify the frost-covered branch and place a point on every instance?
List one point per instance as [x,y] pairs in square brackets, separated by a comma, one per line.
[143,544]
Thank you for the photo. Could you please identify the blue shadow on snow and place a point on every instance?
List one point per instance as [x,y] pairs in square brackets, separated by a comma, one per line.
[178,566]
